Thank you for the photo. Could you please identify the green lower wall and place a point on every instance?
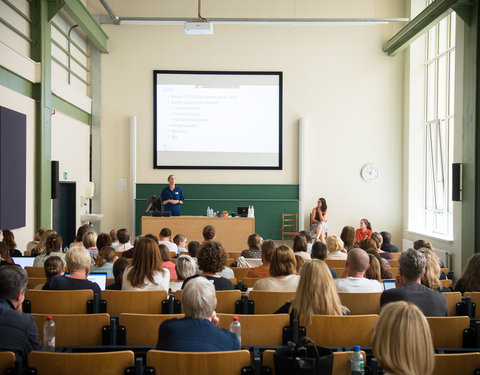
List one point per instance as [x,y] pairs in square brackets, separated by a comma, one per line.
[269,201]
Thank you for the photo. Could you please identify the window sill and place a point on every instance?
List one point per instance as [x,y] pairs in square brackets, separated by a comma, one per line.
[435,236]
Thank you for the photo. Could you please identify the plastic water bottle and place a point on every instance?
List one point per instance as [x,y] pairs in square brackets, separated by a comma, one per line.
[236,328]
[356,362]
[49,335]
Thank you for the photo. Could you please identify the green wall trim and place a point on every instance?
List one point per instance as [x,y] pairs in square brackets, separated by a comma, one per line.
[269,201]
[71,110]
[87,23]
[16,83]
[416,27]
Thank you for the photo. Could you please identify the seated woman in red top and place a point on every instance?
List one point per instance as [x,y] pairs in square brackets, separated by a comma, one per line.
[365,230]
[167,263]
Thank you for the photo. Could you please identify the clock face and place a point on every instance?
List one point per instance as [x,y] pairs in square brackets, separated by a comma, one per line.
[369,173]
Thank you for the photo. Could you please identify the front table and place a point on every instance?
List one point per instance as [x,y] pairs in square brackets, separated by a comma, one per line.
[232,232]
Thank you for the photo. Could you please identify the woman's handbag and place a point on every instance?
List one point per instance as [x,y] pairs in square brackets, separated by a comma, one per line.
[303,359]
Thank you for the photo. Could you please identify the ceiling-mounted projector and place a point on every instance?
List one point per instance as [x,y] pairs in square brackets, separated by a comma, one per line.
[199,28]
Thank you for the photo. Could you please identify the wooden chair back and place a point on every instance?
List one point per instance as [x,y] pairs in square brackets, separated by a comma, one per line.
[396,255]
[475,296]
[104,363]
[458,363]
[361,303]
[289,226]
[452,299]
[7,360]
[341,361]
[142,329]
[35,271]
[226,301]
[110,281]
[394,271]
[233,280]
[240,272]
[133,301]
[339,272]
[267,302]
[34,281]
[234,254]
[230,261]
[59,301]
[250,281]
[343,330]
[75,329]
[188,363]
[172,254]
[446,283]
[393,263]
[447,331]
[258,330]
[336,263]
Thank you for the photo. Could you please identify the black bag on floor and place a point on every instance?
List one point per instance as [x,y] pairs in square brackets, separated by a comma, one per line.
[303,359]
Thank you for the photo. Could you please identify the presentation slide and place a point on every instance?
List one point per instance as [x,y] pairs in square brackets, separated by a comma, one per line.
[218,120]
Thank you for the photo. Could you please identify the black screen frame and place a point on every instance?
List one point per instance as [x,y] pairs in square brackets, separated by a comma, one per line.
[280,119]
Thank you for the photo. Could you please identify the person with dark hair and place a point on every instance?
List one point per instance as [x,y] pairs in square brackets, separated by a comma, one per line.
[165,238]
[113,235]
[103,240]
[172,197]
[104,261]
[319,251]
[118,269]
[181,241]
[309,239]
[212,259]
[268,246]
[470,280]
[384,272]
[53,266]
[208,233]
[386,245]
[79,237]
[146,271]
[53,248]
[9,240]
[318,220]
[169,265]
[365,230]
[19,331]
[254,242]
[124,240]
[193,247]
[300,246]
[409,288]
[5,258]
[348,237]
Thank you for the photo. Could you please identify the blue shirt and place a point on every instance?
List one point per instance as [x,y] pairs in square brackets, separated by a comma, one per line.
[175,194]
[195,335]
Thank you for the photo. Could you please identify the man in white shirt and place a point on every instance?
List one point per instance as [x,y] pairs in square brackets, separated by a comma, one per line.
[124,240]
[166,239]
[354,281]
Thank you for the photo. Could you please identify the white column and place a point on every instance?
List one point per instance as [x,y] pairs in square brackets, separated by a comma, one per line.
[133,170]
[301,174]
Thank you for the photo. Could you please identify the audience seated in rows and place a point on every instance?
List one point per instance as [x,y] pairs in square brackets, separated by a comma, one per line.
[169,265]
[470,280]
[78,264]
[268,246]
[53,266]
[412,265]
[36,239]
[79,237]
[53,248]
[378,244]
[348,237]
[181,241]
[402,342]
[212,259]
[146,271]
[365,230]
[118,269]
[104,261]
[124,240]
[315,294]
[283,272]
[254,242]
[165,238]
[9,240]
[386,244]
[19,331]
[354,281]
[335,247]
[185,267]
[369,244]
[41,247]
[300,246]
[319,251]
[197,332]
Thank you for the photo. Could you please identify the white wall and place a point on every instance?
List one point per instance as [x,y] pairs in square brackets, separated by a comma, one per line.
[336,77]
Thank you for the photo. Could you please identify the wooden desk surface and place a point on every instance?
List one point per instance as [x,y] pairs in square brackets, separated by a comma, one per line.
[232,232]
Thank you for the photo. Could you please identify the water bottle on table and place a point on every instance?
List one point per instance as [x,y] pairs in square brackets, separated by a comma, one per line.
[49,334]
[236,328]
[356,362]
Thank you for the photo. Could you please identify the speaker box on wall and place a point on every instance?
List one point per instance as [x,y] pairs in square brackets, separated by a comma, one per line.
[456,182]
[55,181]
[13,168]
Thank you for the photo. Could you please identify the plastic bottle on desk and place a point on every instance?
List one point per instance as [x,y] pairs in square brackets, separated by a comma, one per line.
[49,334]
[356,362]
[236,328]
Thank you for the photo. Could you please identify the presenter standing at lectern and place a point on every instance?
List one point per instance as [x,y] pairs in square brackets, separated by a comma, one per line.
[172,197]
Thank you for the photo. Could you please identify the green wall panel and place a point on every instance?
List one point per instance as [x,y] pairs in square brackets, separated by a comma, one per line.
[270,201]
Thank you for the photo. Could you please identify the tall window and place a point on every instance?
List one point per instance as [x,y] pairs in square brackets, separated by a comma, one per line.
[439,122]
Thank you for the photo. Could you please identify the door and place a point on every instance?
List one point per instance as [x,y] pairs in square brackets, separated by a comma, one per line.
[64,212]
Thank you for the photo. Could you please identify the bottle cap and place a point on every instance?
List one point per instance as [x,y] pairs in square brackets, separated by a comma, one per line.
[235,319]
[356,348]
[49,318]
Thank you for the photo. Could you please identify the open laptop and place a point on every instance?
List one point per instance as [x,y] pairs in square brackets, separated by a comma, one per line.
[24,261]
[99,278]
[388,284]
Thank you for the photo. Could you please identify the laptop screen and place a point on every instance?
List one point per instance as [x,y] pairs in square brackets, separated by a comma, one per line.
[99,278]
[388,284]
[24,261]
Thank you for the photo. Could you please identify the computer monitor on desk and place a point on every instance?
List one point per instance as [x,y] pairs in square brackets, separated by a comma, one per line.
[242,211]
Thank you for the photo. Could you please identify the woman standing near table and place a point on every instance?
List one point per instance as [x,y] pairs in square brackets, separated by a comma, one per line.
[318,220]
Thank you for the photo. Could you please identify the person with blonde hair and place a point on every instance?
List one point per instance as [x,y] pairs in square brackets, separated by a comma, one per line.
[283,272]
[146,271]
[89,241]
[78,265]
[36,239]
[315,294]
[335,247]
[374,271]
[431,277]
[402,342]
[41,247]
[185,266]
[106,257]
